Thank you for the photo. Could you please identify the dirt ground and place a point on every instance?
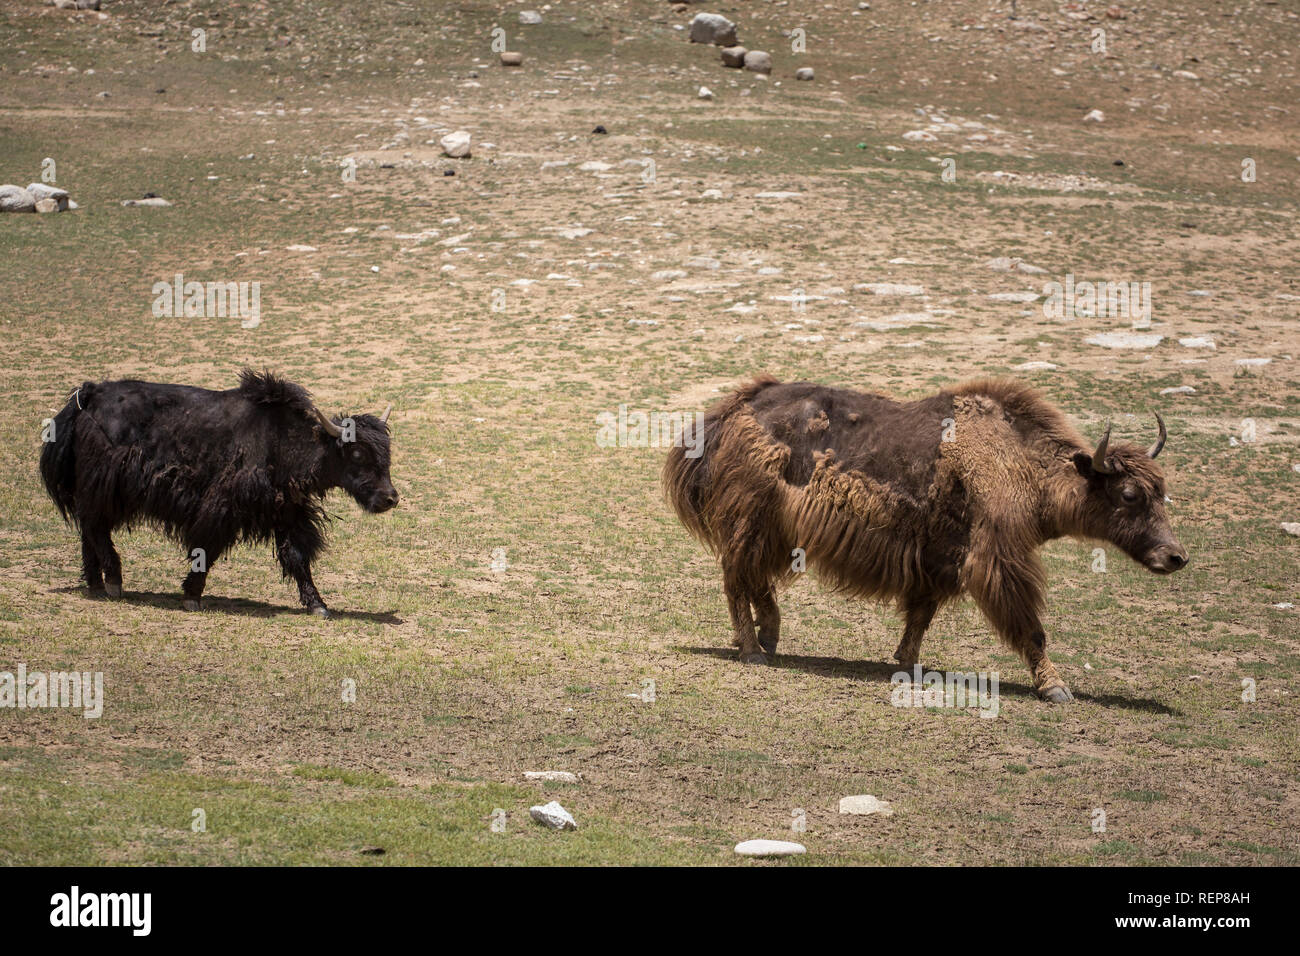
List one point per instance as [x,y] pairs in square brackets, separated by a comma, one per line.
[533,604]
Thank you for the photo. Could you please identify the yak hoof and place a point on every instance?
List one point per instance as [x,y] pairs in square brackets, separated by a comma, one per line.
[192,604]
[321,611]
[755,657]
[769,647]
[1060,694]
[113,590]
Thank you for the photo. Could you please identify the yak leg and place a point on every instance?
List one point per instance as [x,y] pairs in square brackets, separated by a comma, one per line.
[1010,596]
[742,620]
[768,616]
[196,580]
[295,565]
[90,566]
[918,612]
[101,542]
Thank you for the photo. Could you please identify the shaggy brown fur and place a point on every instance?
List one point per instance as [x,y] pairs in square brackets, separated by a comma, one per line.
[916,501]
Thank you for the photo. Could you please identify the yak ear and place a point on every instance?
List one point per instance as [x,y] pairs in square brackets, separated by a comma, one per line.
[1083,462]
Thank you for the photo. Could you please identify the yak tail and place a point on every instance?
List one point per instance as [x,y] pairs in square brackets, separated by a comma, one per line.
[687,481]
[58,455]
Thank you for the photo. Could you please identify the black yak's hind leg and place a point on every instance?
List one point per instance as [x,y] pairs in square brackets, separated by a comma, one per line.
[110,565]
[918,612]
[294,560]
[768,616]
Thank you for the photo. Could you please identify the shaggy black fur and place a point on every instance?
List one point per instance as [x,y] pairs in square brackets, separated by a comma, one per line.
[210,469]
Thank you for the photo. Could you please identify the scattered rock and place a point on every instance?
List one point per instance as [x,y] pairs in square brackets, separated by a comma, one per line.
[1253,361]
[595,166]
[866,804]
[530,17]
[889,288]
[778,195]
[1197,342]
[456,145]
[705,93]
[16,199]
[1178,390]
[512,59]
[559,776]
[1034,367]
[156,201]
[804,73]
[1095,116]
[734,56]
[713,28]
[756,61]
[1125,340]
[46,205]
[599,131]
[770,848]
[702,262]
[554,816]
[1014,296]
[920,136]
[1291,528]
[41,191]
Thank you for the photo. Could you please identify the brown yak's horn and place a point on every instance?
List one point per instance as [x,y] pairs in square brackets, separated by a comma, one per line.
[334,431]
[1160,442]
[383,419]
[1099,456]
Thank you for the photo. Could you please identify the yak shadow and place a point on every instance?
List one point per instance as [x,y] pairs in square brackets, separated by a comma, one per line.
[171,601]
[841,669]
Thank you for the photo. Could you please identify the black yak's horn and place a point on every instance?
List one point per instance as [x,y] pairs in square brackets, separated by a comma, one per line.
[1099,456]
[1160,442]
[383,419]
[334,431]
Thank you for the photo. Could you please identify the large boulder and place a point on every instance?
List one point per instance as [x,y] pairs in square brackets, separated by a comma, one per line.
[41,191]
[756,61]
[456,145]
[16,199]
[734,56]
[713,28]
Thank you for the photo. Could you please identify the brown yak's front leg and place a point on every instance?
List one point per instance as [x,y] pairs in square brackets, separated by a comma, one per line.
[1010,593]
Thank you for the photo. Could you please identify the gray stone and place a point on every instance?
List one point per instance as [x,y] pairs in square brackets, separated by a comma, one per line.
[756,61]
[770,848]
[734,56]
[866,804]
[713,28]
[804,73]
[554,816]
[455,145]
[512,59]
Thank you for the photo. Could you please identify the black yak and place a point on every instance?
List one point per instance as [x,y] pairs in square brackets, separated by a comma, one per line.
[210,469]
[916,501]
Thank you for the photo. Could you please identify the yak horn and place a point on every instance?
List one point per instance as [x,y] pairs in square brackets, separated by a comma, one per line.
[334,431]
[1160,442]
[1099,456]
[383,419]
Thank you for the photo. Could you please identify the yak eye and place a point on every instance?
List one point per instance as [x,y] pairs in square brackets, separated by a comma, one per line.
[1130,495]
[356,454]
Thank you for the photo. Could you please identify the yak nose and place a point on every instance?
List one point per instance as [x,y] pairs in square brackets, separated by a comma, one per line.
[390,500]
[1168,559]
[1177,559]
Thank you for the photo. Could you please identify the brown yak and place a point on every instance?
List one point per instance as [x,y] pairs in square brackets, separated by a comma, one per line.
[915,501]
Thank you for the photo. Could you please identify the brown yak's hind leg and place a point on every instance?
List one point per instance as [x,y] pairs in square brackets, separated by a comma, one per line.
[742,622]
[768,615]
[918,612]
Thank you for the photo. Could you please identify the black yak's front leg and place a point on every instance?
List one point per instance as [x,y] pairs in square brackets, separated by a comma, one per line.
[297,565]
[98,539]
[201,561]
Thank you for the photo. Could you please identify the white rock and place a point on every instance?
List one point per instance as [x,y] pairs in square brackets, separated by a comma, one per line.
[705,93]
[45,191]
[554,816]
[456,145]
[151,201]
[1014,296]
[889,288]
[804,73]
[297,247]
[1186,75]
[560,776]
[1178,390]
[1034,367]
[16,199]
[711,194]
[1125,340]
[770,848]
[530,17]
[778,195]
[866,804]
[702,262]
[667,275]
[1197,342]
[1095,116]
[595,166]
[1291,527]
[1254,361]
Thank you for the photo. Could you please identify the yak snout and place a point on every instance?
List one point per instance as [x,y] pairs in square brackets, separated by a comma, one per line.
[382,500]
[1166,558]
